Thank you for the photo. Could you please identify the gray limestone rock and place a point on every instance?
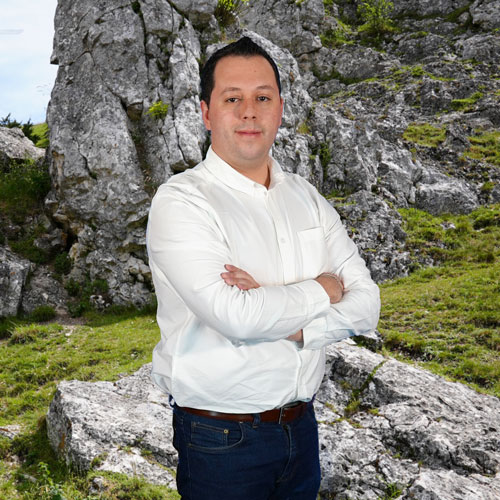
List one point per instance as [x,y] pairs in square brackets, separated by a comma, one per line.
[484,48]
[13,275]
[376,230]
[291,25]
[15,146]
[428,7]
[410,430]
[384,427]
[357,158]
[119,427]
[486,13]
[198,12]
[43,290]
[437,193]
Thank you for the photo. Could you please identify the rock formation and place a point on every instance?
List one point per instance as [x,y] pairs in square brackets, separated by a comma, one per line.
[386,428]
[124,115]
[15,147]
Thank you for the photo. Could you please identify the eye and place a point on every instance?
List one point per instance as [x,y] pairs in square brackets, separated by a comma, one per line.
[263,98]
[232,99]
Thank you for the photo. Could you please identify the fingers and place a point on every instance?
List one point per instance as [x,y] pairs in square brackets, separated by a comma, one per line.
[234,276]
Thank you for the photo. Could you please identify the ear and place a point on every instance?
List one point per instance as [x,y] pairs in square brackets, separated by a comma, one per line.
[205,114]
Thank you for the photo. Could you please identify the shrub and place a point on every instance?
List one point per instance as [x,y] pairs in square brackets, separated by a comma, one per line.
[62,263]
[87,295]
[23,187]
[43,313]
[375,15]
[227,11]
[158,110]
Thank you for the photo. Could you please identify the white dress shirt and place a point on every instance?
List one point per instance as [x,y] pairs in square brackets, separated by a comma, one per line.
[223,349]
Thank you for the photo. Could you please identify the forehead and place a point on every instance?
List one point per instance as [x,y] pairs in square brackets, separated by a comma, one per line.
[247,71]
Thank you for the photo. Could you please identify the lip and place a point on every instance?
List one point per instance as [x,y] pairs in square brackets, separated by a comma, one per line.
[249,133]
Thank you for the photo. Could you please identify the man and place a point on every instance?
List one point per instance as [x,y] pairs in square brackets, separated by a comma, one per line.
[249,265]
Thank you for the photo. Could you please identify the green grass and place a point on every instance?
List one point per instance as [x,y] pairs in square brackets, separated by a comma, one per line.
[466,104]
[425,134]
[485,146]
[42,131]
[34,359]
[446,318]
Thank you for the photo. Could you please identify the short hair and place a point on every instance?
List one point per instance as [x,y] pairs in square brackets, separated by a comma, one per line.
[245,47]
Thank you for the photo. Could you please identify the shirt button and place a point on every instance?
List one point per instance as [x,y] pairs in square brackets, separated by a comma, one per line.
[282,240]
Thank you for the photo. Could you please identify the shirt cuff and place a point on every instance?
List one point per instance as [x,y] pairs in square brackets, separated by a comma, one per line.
[314,334]
[318,300]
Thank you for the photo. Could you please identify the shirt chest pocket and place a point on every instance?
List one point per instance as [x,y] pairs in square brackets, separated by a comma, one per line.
[314,252]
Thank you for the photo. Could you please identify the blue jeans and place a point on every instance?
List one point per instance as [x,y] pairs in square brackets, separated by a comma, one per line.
[226,460]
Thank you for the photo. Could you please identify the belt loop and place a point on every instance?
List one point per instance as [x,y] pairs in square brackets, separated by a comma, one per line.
[256,420]
[282,411]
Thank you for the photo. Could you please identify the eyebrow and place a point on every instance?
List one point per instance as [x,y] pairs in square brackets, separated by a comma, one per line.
[236,89]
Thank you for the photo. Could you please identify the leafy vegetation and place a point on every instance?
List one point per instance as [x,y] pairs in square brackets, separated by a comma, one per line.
[84,295]
[23,188]
[227,11]
[425,134]
[158,110]
[375,15]
[41,130]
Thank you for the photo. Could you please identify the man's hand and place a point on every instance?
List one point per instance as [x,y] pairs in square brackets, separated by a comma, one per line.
[333,286]
[297,337]
[241,279]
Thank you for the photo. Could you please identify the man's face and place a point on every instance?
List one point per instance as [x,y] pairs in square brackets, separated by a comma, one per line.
[245,111]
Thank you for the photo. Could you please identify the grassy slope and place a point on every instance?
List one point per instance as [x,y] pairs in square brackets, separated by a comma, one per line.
[34,359]
[447,318]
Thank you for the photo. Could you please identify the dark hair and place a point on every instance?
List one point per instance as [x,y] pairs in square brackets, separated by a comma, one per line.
[245,47]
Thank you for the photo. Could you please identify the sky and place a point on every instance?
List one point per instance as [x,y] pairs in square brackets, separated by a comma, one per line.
[26,75]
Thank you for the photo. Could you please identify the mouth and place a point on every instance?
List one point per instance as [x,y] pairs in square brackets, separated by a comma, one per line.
[249,133]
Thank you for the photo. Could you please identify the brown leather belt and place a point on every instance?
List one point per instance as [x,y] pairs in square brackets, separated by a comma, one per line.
[282,415]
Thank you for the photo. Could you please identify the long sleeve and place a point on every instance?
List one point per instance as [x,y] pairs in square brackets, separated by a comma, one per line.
[188,250]
[358,311]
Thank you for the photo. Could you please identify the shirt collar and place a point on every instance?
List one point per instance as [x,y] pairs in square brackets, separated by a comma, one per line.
[232,178]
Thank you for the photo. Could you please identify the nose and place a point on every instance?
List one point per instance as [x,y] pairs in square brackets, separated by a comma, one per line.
[248,110]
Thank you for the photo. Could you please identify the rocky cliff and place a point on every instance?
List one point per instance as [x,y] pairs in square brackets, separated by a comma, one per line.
[377,121]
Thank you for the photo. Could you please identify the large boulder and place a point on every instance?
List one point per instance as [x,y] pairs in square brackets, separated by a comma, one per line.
[123,426]
[384,426]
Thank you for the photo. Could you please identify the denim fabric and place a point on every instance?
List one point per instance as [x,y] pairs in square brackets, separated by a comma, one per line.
[226,460]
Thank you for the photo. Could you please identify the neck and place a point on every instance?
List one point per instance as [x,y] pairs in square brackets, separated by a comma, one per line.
[260,175]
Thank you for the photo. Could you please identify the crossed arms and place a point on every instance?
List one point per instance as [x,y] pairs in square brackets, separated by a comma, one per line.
[188,252]
[333,285]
